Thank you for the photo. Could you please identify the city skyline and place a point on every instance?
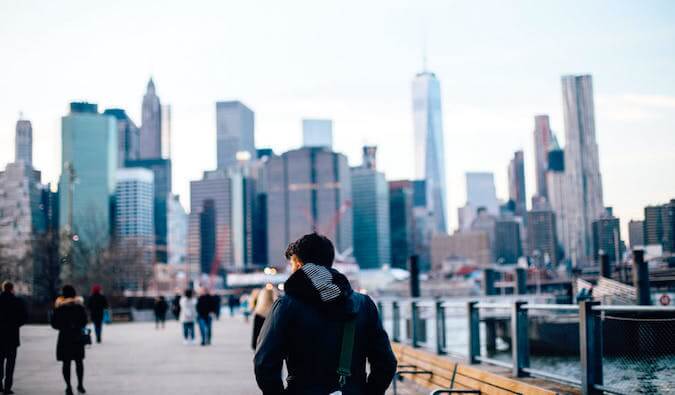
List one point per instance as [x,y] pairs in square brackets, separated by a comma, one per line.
[627,103]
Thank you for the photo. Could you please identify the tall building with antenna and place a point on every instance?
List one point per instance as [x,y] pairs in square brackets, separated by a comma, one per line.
[429,145]
[24,141]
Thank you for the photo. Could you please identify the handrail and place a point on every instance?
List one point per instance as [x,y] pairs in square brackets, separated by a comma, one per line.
[495,362]
[552,376]
[665,309]
[482,305]
[551,307]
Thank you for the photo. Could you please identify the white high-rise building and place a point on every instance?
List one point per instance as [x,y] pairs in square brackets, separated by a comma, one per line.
[480,192]
[151,125]
[429,146]
[582,166]
[166,131]
[177,224]
[317,133]
[134,197]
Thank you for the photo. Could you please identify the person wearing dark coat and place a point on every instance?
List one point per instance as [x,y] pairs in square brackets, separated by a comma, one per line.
[12,316]
[204,310]
[175,305]
[70,319]
[305,329]
[97,305]
[160,309]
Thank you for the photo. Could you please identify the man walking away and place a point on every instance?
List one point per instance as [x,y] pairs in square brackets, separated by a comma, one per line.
[204,310]
[97,306]
[316,326]
[12,316]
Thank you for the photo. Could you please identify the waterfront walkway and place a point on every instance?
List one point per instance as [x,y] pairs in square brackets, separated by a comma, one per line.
[134,358]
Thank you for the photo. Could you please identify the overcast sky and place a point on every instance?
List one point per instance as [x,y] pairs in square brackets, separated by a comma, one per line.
[499,64]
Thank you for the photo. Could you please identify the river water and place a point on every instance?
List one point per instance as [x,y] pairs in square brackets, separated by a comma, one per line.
[628,374]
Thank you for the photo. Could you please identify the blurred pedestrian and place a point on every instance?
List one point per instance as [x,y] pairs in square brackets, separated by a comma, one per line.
[12,316]
[263,305]
[70,319]
[245,303]
[188,314]
[175,305]
[97,305]
[232,304]
[204,310]
[160,309]
[217,301]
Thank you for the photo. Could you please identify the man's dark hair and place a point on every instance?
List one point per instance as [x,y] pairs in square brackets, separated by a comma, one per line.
[312,248]
[7,286]
[68,291]
[188,293]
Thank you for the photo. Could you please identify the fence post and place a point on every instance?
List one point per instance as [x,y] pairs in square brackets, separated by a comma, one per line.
[590,344]
[474,332]
[641,277]
[440,328]
[380,309]
[396,317]
[414,322]
[519,339]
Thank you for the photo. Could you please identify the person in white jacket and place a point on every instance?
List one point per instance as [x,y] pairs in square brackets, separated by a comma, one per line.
[188,315]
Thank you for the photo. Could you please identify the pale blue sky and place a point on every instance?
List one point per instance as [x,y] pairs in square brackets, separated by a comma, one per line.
[499,64]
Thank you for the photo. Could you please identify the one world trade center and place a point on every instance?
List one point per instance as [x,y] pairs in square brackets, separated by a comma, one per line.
[429,147]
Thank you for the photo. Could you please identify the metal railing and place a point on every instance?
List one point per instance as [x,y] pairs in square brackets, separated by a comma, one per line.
[590,318]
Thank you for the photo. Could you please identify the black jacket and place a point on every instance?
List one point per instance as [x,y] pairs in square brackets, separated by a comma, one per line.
[97,303]
[12,316]
[305,329]
[69,317]
[205,306]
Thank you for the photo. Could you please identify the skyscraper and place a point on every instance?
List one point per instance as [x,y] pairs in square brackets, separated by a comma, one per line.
[161,169]
[235,132]
[308,189]
[423,224]
[507,243]
[24,142]
[555,186]
[317,133]
[134,225]
[607,236]
[429,144]
[480,192]
[636,233]
[582,166]
[543,139]
[177,231]
[88,163]
[128,136]
[401,220]
[660,226]
[151,125]
[517,182]
[370,196]
[210,221]
[166,131]
[542,240]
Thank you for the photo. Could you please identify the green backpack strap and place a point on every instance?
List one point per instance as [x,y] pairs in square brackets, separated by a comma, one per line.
[345,367]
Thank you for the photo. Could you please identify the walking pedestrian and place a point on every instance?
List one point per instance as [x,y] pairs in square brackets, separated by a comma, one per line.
[175,305]
[97,305]
[204,310]
[188,314]
[245,310]
[160,309]
[323,330]
[217,301]
[12,316]
[232,303]
[263,305]
[70,319]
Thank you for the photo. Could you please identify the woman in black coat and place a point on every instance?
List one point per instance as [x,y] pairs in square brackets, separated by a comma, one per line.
[70,319]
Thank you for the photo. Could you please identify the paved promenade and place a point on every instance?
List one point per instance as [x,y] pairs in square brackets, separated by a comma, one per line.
[135,358]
